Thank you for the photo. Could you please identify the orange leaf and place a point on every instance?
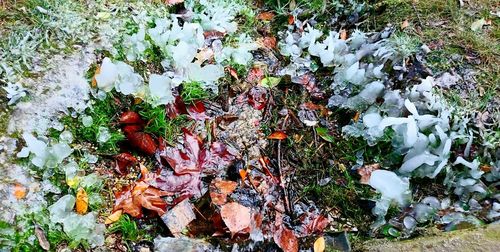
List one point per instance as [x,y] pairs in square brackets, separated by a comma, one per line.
[291,19]
[286,239]
[236,217]
[219,189]
[114,217]
[19,191]
[233,73]
[94,81]
[356,116]
[243,174]
[82,201]
[265,16]
[277,135]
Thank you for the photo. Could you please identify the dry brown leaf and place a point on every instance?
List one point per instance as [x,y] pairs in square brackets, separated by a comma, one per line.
[319,244]
[404,24]
[265,16]
[94,81]
[236,217]
[286,239]
[19,191]
[42,238]
[114,217]
[82,201]
[343,34]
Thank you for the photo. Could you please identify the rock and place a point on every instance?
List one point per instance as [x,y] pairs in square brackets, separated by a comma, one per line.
[179,217]
[182,244]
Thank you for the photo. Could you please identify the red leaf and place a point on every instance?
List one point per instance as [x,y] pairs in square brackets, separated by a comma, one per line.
[218,158]
[132,128]
[197,111]
[257,97]
[265,16]
[142,141]
[186,184]
[291,19]
[123,162]
[308,81]
[277,135]
[286,239]
[214,34]
[310,106]
[130,117]
[177,108]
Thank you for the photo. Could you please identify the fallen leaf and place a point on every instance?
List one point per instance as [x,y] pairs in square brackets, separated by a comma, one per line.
[19,191]
[343,34]
[319,244]
[197,111]
[366,171]
[179,217]
[128,129]
[140,195]
[404,24]
[257,97]
[286,239]
[214,34]
[219,189]
[176,108]
[356,116]
[114,217]
[123,161]
[143,142]
[233,72]
[94,81]
[130,117]
[42,238]
[236,217]
[265,16]
[267,42]
[291,19]
[277,135]
[324,133]
[270,82]
[243,174]
[308,81]
[255,75]
[82,201]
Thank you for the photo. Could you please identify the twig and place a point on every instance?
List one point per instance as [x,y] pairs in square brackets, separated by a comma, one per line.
[282,181]
[416,11]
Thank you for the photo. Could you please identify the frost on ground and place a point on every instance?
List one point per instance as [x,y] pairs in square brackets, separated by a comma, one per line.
[185,98]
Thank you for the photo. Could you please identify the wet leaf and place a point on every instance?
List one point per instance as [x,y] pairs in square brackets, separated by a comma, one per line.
[277,135]
[143,142]
[197,111]
[19,191]
[308,81]
[270,82]
[236,217]
[42,238]
[133,198]
[219,189]
[319,244]
[114,217]
[176,108]
[366,171]
[82,201]
[130,117]
[257,97]
[265,16]
[128,129]
[188,159]
[286,239]
[123,161]
[291,19]
[324,133]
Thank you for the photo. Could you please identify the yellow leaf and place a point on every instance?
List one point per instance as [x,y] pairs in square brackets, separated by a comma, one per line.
[114,217]
[73,182]
[319,244]
[82,201]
